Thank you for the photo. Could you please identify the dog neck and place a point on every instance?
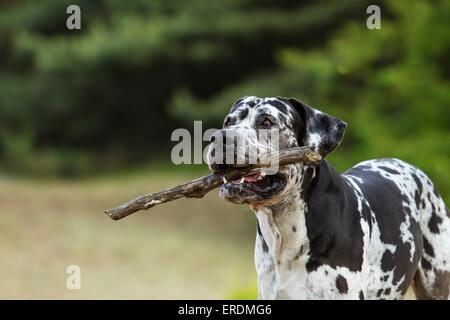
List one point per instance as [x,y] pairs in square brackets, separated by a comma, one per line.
[281,227]
[284,229]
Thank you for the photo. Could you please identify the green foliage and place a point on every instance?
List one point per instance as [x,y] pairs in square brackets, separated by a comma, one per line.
[107,89]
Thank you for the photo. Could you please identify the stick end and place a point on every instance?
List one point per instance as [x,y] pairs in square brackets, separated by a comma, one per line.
[110,214]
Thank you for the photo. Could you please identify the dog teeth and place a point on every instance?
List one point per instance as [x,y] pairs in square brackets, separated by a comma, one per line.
[242,180]
[224,180]
[262,174]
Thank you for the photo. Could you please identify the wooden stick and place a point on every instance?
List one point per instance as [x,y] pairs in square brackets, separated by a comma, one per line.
[199,187]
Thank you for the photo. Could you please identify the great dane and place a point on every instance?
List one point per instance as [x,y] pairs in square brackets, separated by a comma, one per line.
[368,233]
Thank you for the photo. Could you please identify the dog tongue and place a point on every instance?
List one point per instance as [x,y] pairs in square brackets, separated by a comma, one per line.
[251,178]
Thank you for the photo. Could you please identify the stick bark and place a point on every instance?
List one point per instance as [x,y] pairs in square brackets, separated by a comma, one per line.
[199,187]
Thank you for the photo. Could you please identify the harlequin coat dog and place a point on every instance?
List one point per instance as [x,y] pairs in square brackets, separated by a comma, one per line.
[368,233]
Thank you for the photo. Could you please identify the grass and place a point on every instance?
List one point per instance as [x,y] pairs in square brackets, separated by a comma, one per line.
[185,249]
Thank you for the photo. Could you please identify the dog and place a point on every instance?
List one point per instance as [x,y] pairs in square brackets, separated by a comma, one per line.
[368,233]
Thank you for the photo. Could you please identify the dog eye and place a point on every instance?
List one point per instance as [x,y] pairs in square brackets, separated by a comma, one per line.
[267,122]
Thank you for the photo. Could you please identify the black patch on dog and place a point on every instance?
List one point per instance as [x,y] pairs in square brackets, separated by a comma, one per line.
[243,113]
[417,199]
[253,103]
[366,215]
[392,171]
[341,284]
[428,248]
[418,183]
[361,295]
[434,222]
[324,121]
[279,105]
[426,265]
[387,261]
[294,229]
[406,269]
[258,229]
[229,121]
[387,291]
[331,243]
[379,292]
[264,244]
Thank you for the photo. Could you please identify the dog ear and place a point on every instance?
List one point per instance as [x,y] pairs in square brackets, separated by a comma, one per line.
[323,133]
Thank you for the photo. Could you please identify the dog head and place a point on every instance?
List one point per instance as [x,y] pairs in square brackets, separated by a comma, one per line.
[257,125]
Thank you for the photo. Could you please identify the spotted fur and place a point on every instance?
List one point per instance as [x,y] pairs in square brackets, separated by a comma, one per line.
[368,233]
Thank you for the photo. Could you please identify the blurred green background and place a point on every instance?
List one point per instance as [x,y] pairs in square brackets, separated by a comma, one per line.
[86,117]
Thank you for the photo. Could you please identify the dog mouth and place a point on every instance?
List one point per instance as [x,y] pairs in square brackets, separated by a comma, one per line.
[254,187]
